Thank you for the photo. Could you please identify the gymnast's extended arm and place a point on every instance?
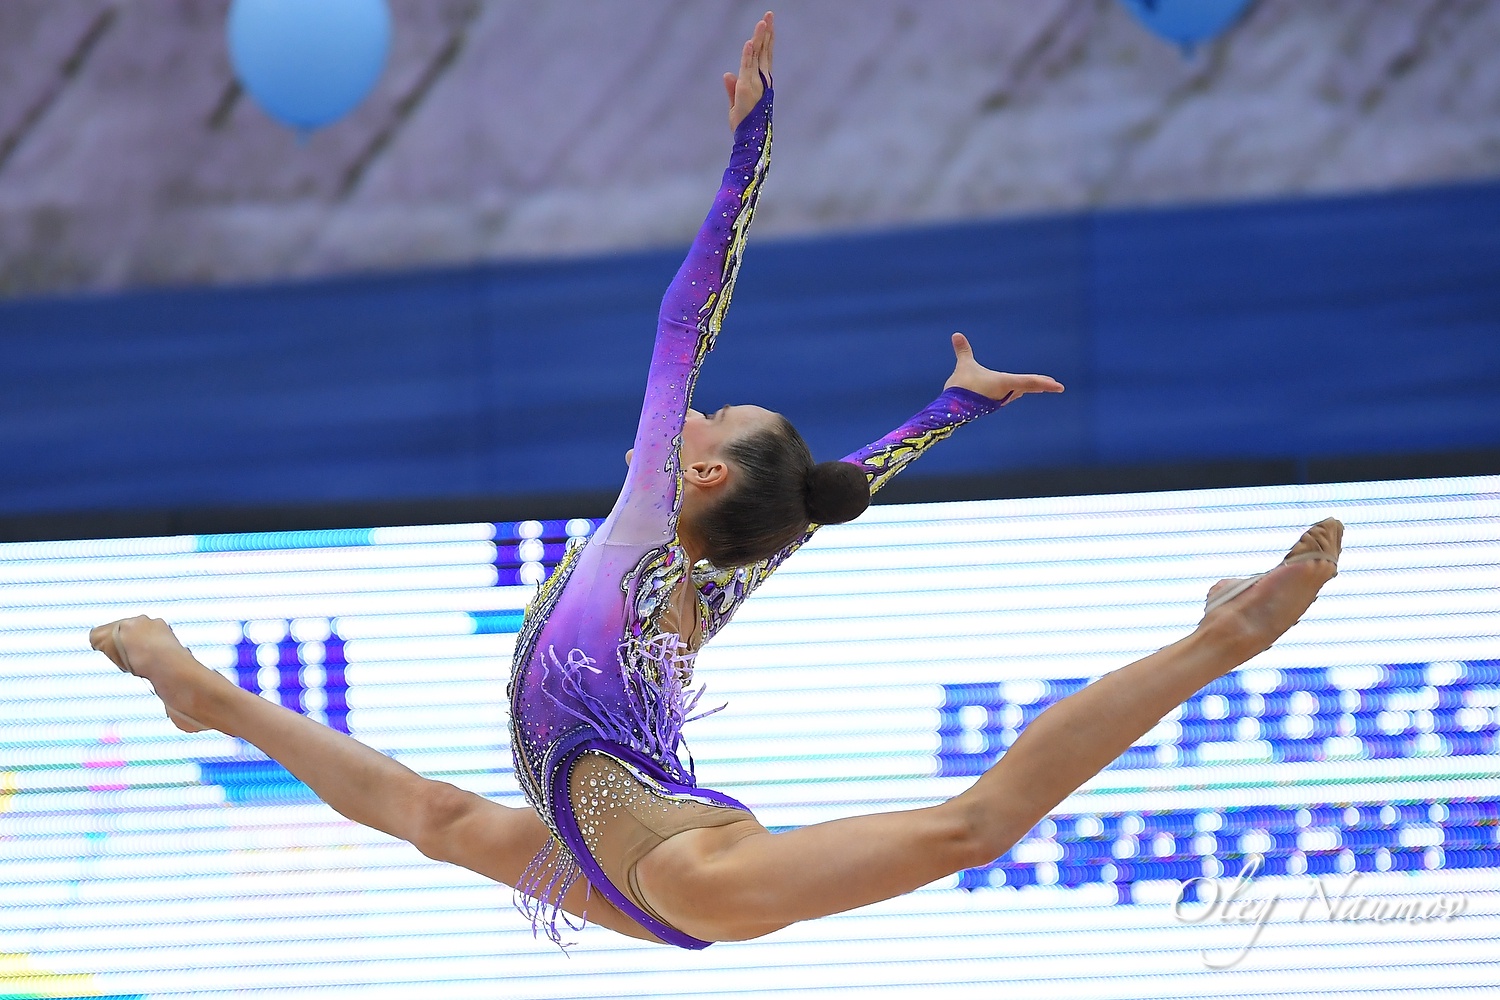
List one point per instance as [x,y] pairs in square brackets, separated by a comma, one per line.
[691,316]
[970,392]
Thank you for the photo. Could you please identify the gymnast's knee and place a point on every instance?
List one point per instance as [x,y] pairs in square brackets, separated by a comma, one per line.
[968,833]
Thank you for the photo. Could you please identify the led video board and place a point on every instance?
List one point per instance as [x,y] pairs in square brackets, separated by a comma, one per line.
[1322,820]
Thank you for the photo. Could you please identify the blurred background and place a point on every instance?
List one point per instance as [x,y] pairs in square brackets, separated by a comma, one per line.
[1272,260]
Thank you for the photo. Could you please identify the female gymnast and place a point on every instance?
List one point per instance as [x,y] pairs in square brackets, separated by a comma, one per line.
[600,686]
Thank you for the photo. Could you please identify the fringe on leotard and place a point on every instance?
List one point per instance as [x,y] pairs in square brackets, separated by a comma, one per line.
[659,699]
[540,890]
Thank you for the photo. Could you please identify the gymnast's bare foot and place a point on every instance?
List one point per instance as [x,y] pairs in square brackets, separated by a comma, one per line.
[147,647]
[1266,606]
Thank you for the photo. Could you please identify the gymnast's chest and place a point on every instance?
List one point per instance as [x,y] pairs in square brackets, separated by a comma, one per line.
[661,598]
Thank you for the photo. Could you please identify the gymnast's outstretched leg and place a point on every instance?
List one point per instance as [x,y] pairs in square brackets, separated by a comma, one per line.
[444,822]
[739,881]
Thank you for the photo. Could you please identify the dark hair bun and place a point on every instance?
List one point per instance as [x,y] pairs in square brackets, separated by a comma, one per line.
[835,492]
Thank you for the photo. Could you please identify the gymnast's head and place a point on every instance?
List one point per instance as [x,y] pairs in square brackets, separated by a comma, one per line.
[751,487]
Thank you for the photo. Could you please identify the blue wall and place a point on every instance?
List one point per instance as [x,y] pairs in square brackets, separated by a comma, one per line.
[1279,330]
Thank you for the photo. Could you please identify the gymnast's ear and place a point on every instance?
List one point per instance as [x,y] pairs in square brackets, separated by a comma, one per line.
[708,474]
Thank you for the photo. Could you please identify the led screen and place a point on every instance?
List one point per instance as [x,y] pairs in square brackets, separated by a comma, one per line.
[1321,821]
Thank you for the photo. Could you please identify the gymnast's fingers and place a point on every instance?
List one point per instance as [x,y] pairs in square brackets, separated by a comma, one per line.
[747,62]
[769,45]
[1039,383]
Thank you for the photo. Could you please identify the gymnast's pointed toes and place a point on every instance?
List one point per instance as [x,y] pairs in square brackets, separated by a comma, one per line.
[1323,542]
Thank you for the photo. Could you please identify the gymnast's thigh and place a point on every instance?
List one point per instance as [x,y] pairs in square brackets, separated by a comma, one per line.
[741,881]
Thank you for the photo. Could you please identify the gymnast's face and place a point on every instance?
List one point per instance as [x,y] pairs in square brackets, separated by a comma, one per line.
[705,435]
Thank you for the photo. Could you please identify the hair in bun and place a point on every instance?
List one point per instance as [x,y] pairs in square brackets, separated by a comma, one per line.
[835,492]
[778,492]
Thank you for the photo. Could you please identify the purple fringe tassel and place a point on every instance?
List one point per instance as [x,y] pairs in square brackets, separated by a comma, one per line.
[540,891]
[657,704]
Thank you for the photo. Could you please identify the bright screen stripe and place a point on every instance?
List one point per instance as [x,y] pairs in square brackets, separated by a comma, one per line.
[883,667]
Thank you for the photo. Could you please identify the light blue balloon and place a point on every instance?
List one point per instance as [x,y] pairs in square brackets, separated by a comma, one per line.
[308,62]
[1186,22]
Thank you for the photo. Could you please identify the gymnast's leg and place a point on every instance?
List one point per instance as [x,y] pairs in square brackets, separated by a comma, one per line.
[441,820]
[738,881]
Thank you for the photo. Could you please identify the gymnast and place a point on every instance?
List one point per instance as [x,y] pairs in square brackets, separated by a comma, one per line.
[618,827]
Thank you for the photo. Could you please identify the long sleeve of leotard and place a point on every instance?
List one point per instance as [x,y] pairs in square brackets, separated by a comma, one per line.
[721,592]
[692,312]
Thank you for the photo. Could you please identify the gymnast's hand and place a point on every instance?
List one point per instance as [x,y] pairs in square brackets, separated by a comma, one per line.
[745,87]
[970,374]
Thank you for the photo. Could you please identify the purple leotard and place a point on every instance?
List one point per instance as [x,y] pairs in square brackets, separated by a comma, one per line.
[594,670]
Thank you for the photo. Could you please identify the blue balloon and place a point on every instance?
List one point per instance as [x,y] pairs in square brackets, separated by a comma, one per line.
[308,62]
[1186,22]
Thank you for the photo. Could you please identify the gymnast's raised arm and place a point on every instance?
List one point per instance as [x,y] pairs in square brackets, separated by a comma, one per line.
[692,311]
